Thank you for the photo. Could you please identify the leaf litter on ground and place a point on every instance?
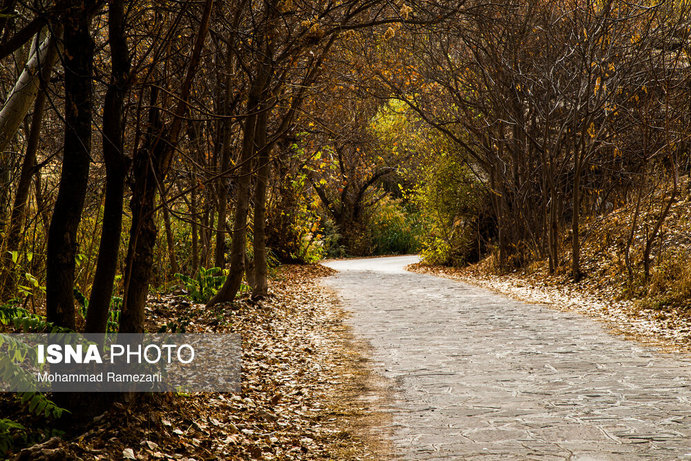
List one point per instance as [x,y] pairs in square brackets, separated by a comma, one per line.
[308,392]
[668,330]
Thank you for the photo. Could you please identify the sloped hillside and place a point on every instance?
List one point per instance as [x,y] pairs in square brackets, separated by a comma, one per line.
[655,308]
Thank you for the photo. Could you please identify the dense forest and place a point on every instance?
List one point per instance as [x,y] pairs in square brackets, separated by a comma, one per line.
[199,144]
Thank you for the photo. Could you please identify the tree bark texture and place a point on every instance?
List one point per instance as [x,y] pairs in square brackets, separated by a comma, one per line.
[117,165]
[261,287]
[62,235]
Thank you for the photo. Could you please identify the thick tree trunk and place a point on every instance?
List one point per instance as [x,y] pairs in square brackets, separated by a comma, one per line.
[117,165]
[62,235]
[140,252]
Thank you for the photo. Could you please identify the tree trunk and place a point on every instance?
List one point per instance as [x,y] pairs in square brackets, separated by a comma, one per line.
[222,199]
[575,237]
[140,252]
[249,268]
[17,105]
[220,249]
[62,235]
[21,196]
[195,232]
[150,166]
[170,240]
[553,224]
[260,286]
[117,164]
[26,88]
[632,233]
[232,283]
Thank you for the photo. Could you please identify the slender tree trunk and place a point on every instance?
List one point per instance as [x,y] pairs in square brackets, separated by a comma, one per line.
[575,237]
[62,235]
[220,249]
[223,182]
[249,268]
[207,231]
[17,105]
[650,238]
[21,196]
[170,241]
[117,165]
[40,202]
[553,226]
[25,90]
[554,233]
[632,233]
[150,167]
[195,232]
[232,284]
[222,199]
[260,286]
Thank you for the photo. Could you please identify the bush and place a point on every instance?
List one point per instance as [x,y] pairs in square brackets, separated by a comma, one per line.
[670,283]
[394,228]
[12,368]
[204,285]
[450,199]
[331,240]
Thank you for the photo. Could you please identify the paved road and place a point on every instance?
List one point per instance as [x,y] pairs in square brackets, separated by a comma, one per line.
[480,376]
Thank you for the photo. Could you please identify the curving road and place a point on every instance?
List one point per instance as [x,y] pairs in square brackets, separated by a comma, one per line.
[477,375]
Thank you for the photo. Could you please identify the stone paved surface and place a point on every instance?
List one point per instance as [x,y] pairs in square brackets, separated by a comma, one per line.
[480,376]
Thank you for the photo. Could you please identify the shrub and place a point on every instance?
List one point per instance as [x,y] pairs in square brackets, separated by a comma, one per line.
[14,353]
[451,202]
[204,285]
[670,283]
[394,228]
[331,240]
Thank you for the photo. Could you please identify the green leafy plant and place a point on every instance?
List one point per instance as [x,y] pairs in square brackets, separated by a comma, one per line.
[204,285]
[11,434]
[394,228]
[114,314]
[26,322]
[30,287]
[82,301]
[451,204]
[15,352]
